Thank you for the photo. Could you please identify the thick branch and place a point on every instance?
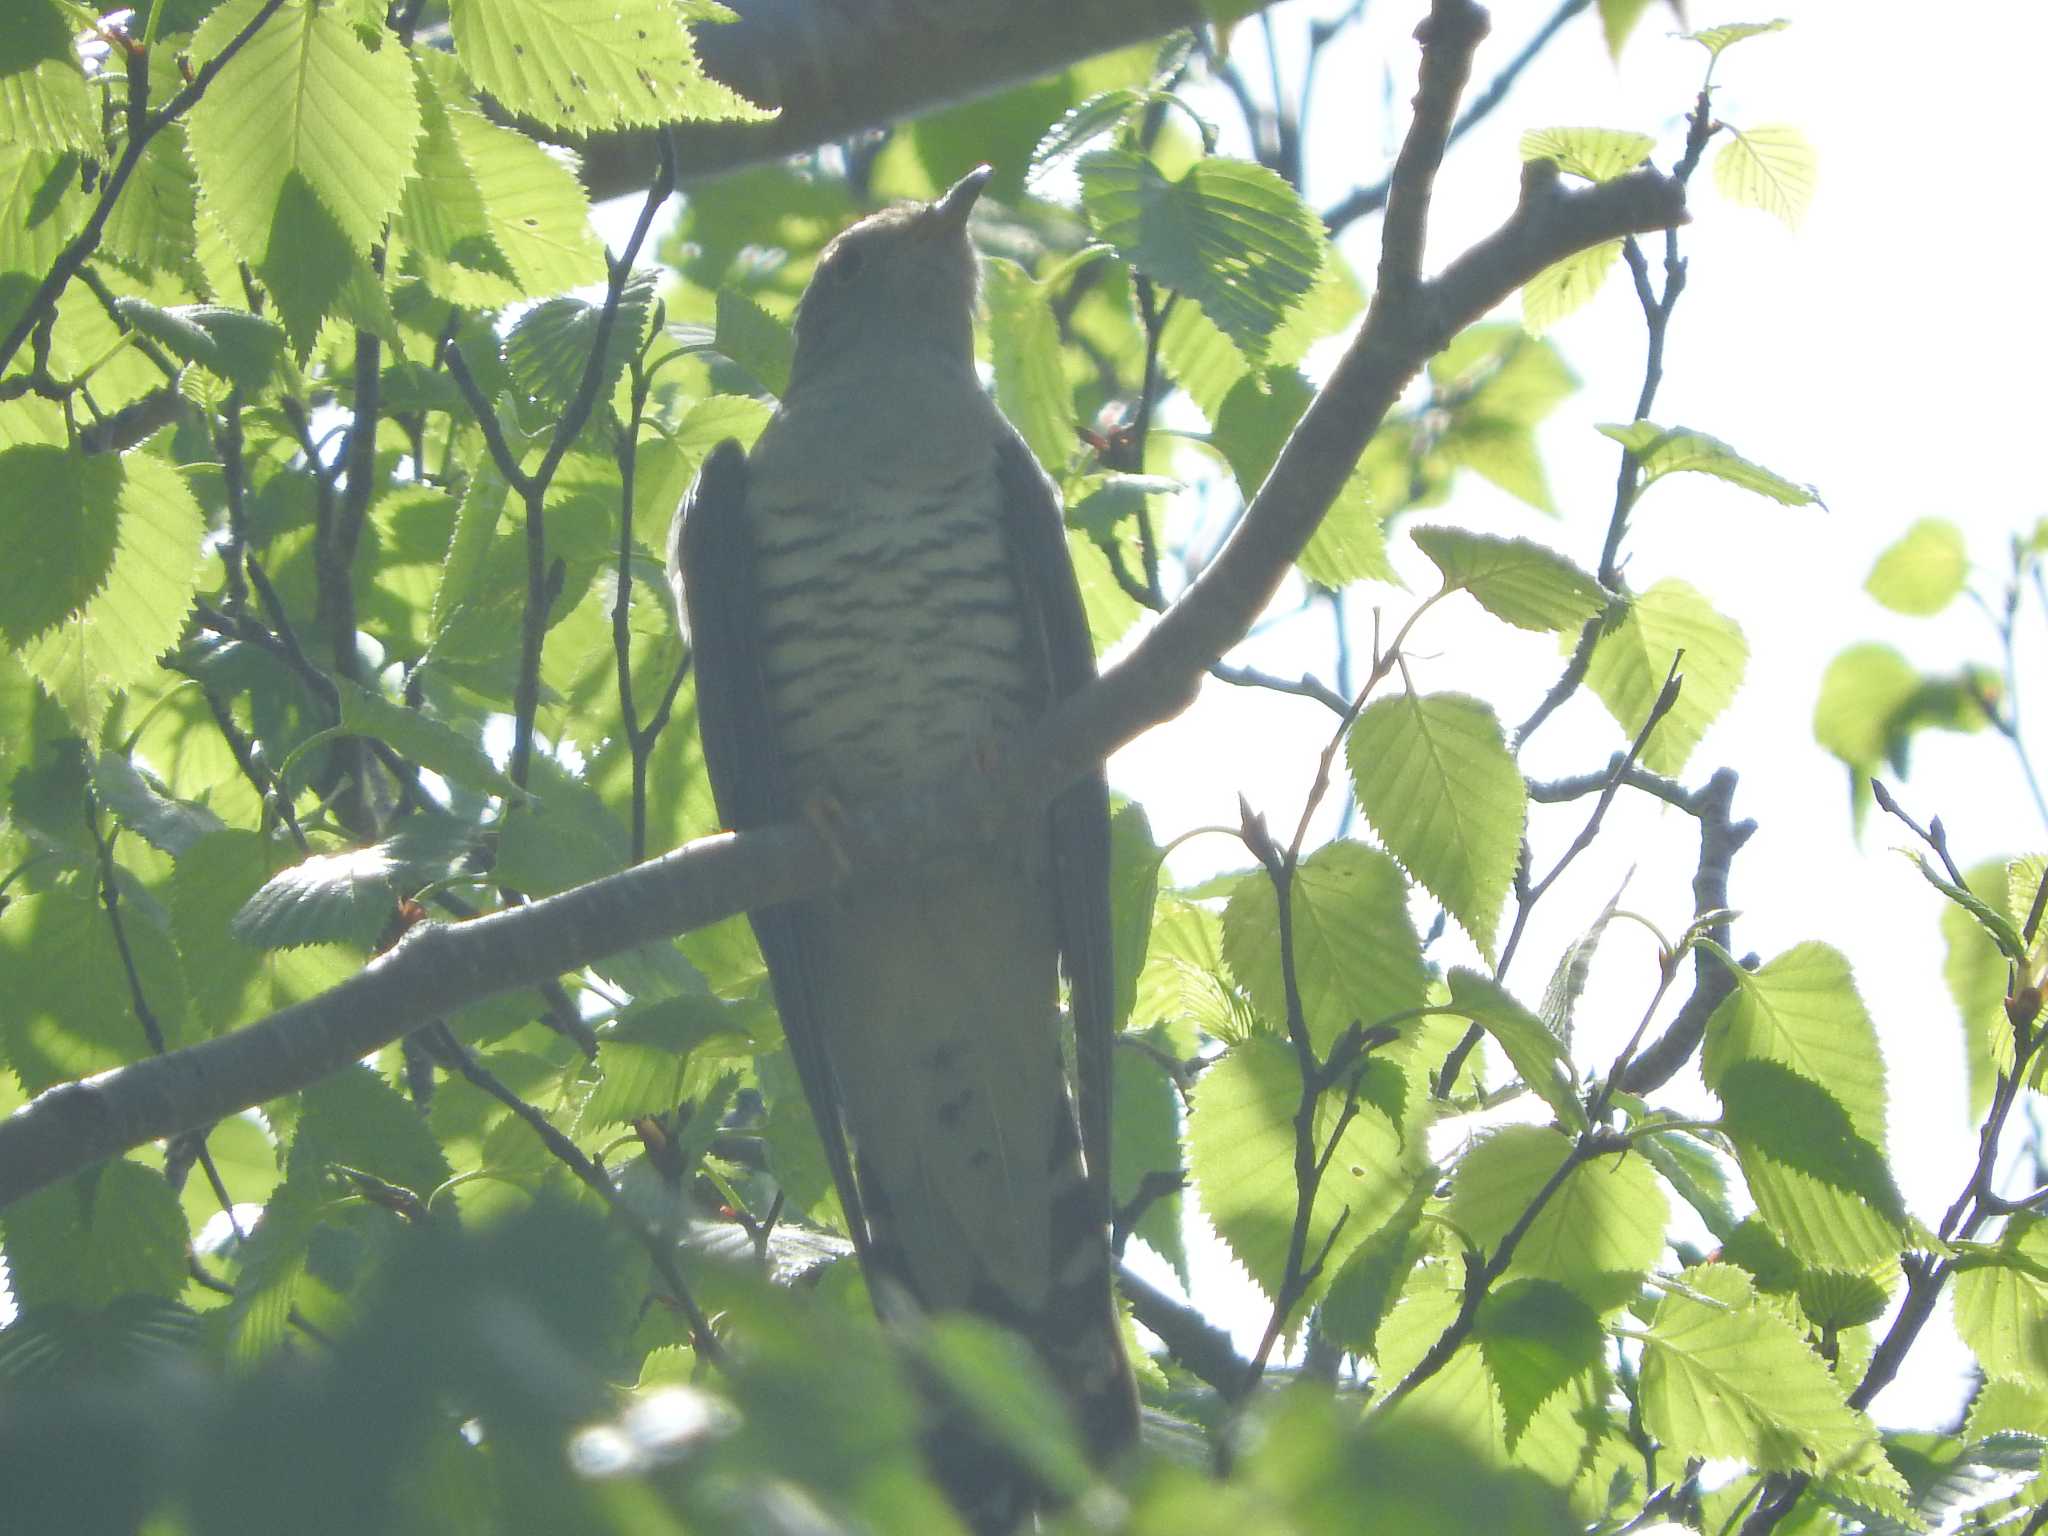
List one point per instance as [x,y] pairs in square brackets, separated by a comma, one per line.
[436,970]
[842,68]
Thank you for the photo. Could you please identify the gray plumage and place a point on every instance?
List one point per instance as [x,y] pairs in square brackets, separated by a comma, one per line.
[878,594]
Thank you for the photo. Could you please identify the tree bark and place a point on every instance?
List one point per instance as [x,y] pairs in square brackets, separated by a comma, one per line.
[835,68]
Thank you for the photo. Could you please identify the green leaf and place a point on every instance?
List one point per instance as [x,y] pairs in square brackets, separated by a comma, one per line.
[1370,1282]
[346,898]
[549,347]
[754,339]
[37,32]
[111,641]
[560,837]
[1535,1336]
[49,106]
[1535,1053]
[356,1119]
[1598,1235]
[1567,285]
[421,739]
[1145,1135]
[1356,956]
[115,1230]
[1632,658]
[1975,971]
[1725,1377]
[1862,694]
[1097,115]
[1715,39]
[1923,570]
[1233,235]
[58,523]
[241,348]
[1665,451]
[1133,896]
[2002,1302]
[152,226]
[62,1347]
[1435,779]
[1794,1057]
[1772,168]
[999,1382]
[1597,154]
[230,981]
[315,97]
[1524,583]
[1241,1152]
[1031,382]
[168,825]
[590,65]
[490,215]
[1696,1174]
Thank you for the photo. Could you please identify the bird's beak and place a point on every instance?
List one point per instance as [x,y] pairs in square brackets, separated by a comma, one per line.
[950,211]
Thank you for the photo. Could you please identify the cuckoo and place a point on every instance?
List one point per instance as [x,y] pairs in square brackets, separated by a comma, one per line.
[879,593]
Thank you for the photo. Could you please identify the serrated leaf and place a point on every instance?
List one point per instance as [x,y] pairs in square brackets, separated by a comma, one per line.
[312,96]
[153,226]
[58,521]
[549,347]
[1232,234]
[1715,39]
[328,898]
[1535,1053]
[1567,285]
[165,824]
[1632,659]
[1521,582]
[111,642]
[421,739]
[50,106]
[562,836]
[1241,1152]
[1597,154]
[1356,956]
[1921,571]
[1095,116]
[1994,920]
[1696,1175]
[1434,777]
[1672,450]
[69,1010]
[354,1118]
[754,339]
[115,1230]
[241,348]
[1145,1135]
[36,33]
[62,1347]
[1794,1057]
[230,981]
[1030,380]
[1597,1235]
[2001,1296]
[1723,1376]
[1974,970]
[590,65]
[1371,1279]
[1535,1336]
[1771,167]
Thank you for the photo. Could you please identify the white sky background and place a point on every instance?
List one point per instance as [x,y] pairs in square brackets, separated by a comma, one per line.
[1882,353]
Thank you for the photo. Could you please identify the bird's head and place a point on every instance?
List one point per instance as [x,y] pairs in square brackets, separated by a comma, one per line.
[904,278]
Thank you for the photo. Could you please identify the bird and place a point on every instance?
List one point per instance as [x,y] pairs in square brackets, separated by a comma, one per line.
[880,592]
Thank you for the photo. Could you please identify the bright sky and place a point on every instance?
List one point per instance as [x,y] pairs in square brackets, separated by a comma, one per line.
[1880,353]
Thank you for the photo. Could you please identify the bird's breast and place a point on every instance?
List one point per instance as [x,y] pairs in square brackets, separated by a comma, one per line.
[891,629]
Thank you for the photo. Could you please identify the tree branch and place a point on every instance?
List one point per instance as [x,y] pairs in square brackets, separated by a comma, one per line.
[840,69]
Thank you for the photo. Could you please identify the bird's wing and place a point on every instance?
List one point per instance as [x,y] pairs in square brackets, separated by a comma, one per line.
[712,560]
[1058,626]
